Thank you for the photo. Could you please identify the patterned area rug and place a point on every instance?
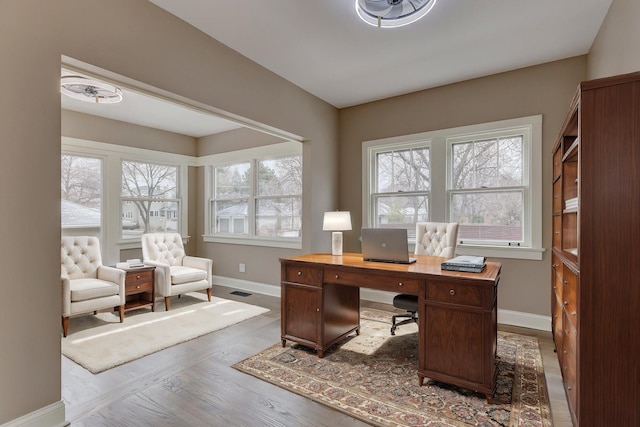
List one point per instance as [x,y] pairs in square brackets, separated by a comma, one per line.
[373,377]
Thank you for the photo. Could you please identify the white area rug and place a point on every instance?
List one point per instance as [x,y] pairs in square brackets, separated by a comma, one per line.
[100,342]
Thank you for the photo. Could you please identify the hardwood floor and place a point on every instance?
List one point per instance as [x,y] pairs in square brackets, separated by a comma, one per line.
[193,384]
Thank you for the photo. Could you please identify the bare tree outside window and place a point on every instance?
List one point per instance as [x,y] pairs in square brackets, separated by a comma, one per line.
[487,193]
[403,183]
[149,198]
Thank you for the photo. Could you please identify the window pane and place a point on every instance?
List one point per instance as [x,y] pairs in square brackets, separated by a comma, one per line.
[81,192]
[233,181]
[403,170]
[149,180]
[231,216]
[279,217]
[280,177]
[493,216]
[146,216]
[401,211]
[489,163]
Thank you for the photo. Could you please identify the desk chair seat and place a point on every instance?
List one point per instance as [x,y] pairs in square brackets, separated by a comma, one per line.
[432,238]
[408,303]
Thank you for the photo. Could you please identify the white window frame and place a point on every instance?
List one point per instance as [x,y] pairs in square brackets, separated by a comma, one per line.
[251,155]
[113,155]
[440,145]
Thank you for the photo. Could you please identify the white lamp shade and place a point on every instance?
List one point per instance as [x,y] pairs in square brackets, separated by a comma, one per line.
[337,221]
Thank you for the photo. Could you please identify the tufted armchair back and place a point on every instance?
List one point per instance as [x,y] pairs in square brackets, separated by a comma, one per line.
[165,248]
[80,256]
[436,238]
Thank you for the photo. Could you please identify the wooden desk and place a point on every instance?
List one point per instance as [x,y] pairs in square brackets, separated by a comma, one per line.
[457,312]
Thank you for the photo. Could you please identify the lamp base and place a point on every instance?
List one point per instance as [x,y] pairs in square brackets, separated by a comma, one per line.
[336,243]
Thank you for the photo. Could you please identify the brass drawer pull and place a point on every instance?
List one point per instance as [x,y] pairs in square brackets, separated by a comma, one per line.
[138,276]
[566,303]
[337,276]
[400,284]
[569,388]
[138,287]
[299,273]
[452,292]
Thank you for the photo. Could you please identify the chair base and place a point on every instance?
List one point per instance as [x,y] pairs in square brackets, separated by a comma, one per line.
[167,300]
[409,318]
[65,320]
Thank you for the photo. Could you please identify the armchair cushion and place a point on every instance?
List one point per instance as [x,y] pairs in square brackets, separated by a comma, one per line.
[181,274]
[89,288]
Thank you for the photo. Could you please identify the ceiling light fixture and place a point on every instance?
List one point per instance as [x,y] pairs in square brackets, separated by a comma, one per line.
[392,13]
[90,90]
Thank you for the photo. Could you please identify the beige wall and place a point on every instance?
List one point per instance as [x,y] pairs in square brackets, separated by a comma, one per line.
[546,89]
[145,44]
[616,49]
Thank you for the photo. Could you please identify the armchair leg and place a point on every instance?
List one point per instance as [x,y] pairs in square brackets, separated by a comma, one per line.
[166,303]
[209,294]
[121,309]
[65,326]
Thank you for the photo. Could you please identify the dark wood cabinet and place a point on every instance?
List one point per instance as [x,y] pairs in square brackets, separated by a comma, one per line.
[595,277]
[457,336]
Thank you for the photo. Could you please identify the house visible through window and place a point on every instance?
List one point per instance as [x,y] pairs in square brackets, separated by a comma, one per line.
[81,193]
[149,198]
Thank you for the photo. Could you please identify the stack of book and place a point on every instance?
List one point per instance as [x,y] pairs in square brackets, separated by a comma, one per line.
[130,263]
[467,263]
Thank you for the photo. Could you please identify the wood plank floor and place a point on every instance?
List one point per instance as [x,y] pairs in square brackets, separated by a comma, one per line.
[193,384]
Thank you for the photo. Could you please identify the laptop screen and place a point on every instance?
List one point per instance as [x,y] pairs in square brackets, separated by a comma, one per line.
[386,245]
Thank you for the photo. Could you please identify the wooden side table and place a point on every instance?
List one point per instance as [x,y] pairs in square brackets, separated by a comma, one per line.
[139,287]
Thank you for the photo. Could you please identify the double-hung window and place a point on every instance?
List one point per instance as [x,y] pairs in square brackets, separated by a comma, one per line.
[256,198]
[485,177]
[81,189]
[401,184]
[488,187]
[150,199]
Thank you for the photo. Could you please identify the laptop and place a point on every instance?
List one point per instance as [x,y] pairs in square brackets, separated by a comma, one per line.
[386,245]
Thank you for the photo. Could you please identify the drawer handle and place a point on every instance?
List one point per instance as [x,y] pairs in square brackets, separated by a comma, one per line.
[556,232]
[452,292]
[555,287]
[566,303]
[138,287]
[554,265]
[337,276]
[317,309]
[565,352]
[573,313]
[137,277]
[569,388]
[556,196]
[299,273]
[565,282]
[400,284]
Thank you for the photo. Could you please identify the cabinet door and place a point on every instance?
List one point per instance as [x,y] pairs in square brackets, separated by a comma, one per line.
[301,312]
[454,343]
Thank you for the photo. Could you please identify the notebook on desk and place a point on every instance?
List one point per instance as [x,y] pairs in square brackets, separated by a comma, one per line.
[386,245]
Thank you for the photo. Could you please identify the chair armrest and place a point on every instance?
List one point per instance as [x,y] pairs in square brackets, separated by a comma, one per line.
[162,277]
[200,263]
[66,293]
[115,275]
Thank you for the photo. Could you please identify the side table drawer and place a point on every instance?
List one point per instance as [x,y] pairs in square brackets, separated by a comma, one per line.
[139,281]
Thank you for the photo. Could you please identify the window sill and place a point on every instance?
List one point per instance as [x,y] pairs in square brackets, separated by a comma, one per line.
[501,252]
[247,241]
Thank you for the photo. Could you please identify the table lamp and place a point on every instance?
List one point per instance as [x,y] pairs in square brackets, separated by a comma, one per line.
[337,221]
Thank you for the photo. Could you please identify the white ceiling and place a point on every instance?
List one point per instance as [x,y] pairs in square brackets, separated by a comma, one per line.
[324,48]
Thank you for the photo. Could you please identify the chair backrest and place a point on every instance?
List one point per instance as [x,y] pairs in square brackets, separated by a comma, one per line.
[80,256]
[436,238]
[165,248]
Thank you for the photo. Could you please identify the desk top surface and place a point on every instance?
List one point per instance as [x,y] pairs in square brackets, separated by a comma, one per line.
[425,265]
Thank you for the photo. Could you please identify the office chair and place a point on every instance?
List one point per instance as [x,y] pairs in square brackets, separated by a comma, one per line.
[432,238]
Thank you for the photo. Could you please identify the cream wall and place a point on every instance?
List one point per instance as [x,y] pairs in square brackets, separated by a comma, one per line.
[546,89]
[143,43]
[616,49]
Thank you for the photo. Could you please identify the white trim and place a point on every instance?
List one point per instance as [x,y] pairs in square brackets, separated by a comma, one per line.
[50,416]
[265,242]
[439,207]
[505,317]
[246,285]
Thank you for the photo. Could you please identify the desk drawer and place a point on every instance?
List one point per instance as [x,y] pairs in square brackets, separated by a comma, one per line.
[455,293]
[303,275]
[381,282]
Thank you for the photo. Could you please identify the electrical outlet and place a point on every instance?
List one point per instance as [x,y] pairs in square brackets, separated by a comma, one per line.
[242,267]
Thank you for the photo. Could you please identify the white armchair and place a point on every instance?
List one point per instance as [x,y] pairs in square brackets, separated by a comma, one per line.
[87,285]
[176,272]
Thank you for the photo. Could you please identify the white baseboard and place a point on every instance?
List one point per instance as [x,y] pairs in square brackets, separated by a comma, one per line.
[505,317]
[49,416]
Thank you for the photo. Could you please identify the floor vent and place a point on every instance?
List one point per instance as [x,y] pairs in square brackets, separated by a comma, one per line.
[240,293]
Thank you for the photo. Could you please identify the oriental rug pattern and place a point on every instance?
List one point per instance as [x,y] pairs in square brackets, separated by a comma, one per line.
[373,377]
